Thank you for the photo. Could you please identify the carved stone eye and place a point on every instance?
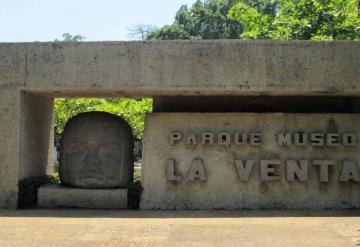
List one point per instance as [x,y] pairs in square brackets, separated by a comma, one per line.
[108,151]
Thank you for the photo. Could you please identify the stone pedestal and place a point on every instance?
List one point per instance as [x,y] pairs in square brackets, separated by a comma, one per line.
[57,196]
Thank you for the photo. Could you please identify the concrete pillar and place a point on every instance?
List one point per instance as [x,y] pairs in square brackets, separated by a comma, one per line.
[25,134]
[9,146]
[36,135]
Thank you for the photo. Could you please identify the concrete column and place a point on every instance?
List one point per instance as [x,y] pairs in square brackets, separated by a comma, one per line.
[25,134]
[36,135]
[9,146]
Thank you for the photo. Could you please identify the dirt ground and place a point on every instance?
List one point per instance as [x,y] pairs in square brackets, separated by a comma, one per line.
[179,228]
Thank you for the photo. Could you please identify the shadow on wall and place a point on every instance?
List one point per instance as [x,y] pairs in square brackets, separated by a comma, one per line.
[82,213]
[325,104]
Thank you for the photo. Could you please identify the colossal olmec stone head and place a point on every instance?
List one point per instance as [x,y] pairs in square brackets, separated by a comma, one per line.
[96,151]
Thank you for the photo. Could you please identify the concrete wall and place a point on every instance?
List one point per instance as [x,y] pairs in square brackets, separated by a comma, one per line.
[222,187]
[25,146]
[9,147]
[31,74]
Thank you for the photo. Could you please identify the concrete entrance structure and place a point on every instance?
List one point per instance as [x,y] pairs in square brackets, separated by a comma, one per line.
[32,74]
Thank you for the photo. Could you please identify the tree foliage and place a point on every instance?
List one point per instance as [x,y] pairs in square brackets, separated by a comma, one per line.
[132,110]
[265,19]
[300,20]
[68,37]
[204,20]
[141,31]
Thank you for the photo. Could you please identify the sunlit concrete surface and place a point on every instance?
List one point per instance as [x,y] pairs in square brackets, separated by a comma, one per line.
[32,74]
[220,187]
[179,228]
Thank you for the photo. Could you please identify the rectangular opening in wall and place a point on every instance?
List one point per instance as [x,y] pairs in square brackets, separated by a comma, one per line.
[97,146]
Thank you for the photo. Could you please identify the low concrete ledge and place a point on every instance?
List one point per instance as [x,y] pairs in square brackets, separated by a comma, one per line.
[57,196]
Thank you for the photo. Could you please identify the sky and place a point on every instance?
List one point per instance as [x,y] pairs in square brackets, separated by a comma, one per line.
[97,20]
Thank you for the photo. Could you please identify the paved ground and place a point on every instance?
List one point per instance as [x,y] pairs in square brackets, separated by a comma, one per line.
[186,228]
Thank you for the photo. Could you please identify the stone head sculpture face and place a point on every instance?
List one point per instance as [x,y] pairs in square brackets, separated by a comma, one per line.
[96,151]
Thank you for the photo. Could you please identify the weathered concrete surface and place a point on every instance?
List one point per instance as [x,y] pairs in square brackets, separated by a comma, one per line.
[223,188]
[57,196]
[26,122]
[160,68]
[12,65]
[37,228]
[224,67]
[36,135]
[9,147]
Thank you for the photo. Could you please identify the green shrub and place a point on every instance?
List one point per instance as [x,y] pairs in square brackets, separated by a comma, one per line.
[134,192]
[132,110]
[28,189]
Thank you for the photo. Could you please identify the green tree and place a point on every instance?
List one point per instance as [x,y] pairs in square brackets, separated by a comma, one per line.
[204,20]
[301,20]
[209,19]
[68,37]
[132,110]
[141,31]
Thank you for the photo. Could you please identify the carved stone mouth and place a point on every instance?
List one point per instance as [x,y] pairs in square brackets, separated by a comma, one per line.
[91,175]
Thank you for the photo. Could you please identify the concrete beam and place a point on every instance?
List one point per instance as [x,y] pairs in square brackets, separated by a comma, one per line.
[175,68]
[25,134]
